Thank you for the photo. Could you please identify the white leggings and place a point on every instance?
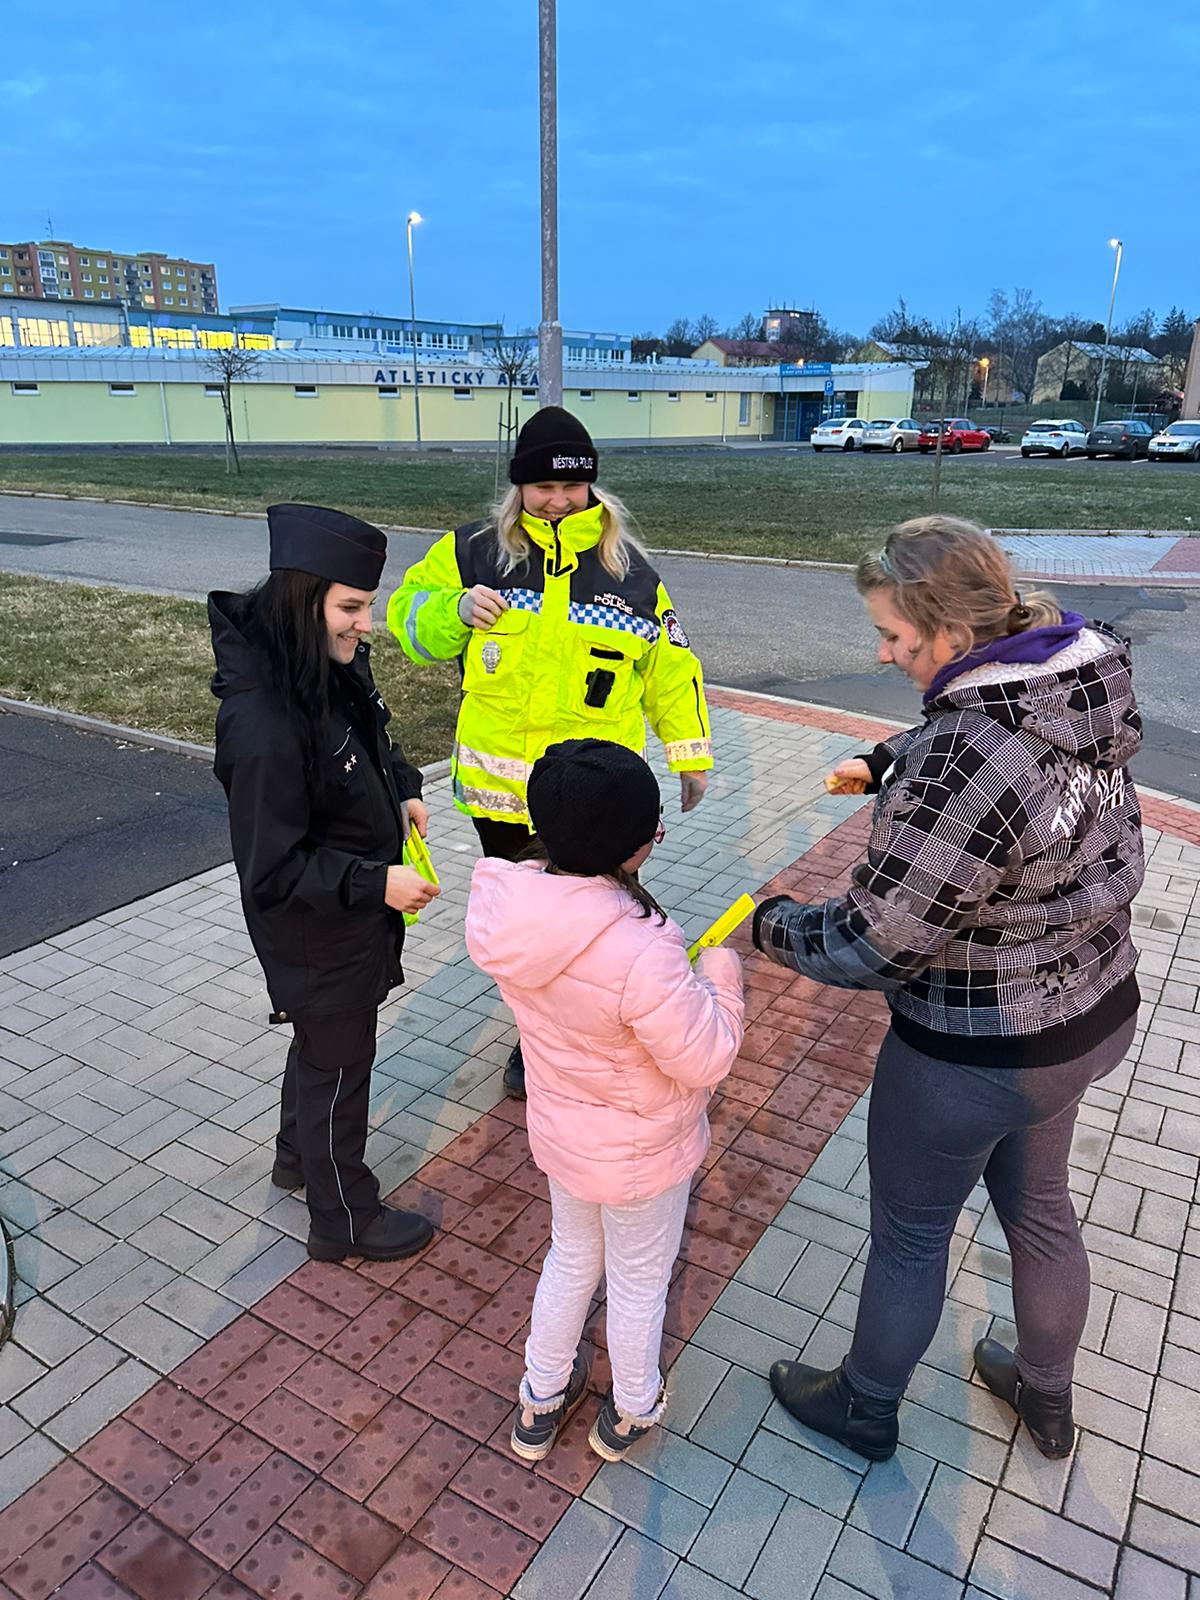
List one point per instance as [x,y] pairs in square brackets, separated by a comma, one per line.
[635,1246]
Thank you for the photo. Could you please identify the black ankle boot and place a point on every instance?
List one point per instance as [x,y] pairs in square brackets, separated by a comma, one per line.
[514,1073]
[825,1402]
[1047,1416]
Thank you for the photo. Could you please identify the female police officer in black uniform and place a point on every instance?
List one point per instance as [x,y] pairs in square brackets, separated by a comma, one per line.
[319,801]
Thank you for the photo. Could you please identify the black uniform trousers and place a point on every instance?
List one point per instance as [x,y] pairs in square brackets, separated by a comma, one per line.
[323,1125]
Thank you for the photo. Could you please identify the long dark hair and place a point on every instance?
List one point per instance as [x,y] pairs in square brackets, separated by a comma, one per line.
[289,620]
[535,850]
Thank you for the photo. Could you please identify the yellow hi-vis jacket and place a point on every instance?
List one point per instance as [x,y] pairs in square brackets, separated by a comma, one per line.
[578,654]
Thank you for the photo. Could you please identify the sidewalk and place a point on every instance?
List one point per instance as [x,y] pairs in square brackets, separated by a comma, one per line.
[192,1409]
[1122,556]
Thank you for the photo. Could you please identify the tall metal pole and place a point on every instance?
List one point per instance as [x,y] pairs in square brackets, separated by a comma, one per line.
[550,383]
[1112,300]
[414,217]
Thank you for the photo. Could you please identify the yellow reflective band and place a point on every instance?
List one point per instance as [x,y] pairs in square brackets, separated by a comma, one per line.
[689,750]
[515,771]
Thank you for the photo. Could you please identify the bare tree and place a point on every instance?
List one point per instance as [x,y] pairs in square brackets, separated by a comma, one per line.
[705,327]
[952,346]
[750,327]
[231,364]
[678,338]
[514,358]
[1022,331]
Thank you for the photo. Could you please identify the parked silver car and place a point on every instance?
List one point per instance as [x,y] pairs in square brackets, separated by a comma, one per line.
[886,434]
[1179,441]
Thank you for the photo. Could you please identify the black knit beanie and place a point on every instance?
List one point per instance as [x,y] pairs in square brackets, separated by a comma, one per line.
[593,804]
[552,447]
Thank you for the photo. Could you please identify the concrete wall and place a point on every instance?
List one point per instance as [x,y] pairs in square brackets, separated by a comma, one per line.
[274,413]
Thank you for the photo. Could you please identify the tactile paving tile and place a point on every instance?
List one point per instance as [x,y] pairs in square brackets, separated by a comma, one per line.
[252,1508]
[280,1565]
[154,1565]
[184,1424]
[421,1475]
[500,1484]
[338,1392]
[131,1462]
[471,1538]
[194,1497]
[349,1535]
[366,1461]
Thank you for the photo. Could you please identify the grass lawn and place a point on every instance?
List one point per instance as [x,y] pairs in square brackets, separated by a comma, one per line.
[816,507]
[144,660]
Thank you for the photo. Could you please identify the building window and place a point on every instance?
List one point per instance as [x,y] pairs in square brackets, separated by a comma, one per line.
[529,394]
[672,394]
[616,355]
[305,391]
[103,277]
[633,394]
[7,287]
[710,394]
[585,394]
[464,394]
[3,254]
[85,261]
[121,388]
[149,299]
[64,261]
[168,299]
[213,391]
[743,411]
[89,294]
[85,277]
[389,391]
[25,388]
[5,272]
[101,261]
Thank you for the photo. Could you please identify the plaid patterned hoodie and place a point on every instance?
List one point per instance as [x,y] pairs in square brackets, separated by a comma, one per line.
[1006,849]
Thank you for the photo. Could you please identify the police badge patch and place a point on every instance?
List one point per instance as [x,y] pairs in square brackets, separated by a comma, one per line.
[675,632]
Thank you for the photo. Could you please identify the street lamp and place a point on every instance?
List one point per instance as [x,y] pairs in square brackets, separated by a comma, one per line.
[985,363]
[1114,244]
[550,328]
[414,217]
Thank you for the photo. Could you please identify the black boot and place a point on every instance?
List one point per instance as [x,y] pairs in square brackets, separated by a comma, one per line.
[390,1236]
[286,1176]
[825,1402]
[514,1073]
[1047,1416]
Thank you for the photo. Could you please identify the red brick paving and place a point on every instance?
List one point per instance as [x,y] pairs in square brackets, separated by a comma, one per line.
[347,1438]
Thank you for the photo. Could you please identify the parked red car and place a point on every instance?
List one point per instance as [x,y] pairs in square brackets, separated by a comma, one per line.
[959,435]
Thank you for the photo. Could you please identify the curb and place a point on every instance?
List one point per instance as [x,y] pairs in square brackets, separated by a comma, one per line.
[142,736]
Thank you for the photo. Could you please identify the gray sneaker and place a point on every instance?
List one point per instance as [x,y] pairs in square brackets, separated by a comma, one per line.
[539,1422]
[612,1434]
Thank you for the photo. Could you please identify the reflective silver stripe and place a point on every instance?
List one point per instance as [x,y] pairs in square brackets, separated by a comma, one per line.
[495,766]
[689,750]
[333,1159]
[490,799]
[410,624]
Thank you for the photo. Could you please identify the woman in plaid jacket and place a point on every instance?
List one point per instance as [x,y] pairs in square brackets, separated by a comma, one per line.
[993,910]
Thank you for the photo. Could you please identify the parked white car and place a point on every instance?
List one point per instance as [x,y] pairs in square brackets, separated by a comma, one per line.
[1064,437]
[886,434]
[839,433]
[1178,441]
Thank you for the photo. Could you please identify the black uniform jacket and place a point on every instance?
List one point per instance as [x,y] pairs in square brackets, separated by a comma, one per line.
[311,850]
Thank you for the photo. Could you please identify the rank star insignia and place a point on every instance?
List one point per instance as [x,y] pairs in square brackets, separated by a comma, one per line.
[351,764]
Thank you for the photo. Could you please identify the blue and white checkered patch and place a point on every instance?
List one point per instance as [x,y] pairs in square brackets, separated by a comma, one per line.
[608,617]
[523,599]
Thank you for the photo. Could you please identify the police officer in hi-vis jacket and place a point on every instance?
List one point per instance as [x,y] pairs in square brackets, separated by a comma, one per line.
[563,631]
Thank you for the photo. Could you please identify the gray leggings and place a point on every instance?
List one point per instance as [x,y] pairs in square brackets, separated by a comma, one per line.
[935,1128]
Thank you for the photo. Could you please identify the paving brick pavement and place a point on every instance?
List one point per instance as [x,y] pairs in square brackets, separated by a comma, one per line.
[191,1408]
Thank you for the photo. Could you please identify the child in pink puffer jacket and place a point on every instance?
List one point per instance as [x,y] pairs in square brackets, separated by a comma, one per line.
[623,1041]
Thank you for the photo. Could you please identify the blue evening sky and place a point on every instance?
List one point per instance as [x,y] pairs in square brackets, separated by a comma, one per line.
[713,157]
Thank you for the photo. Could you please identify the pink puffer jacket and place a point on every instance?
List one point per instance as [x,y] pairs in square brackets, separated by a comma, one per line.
[623,1039]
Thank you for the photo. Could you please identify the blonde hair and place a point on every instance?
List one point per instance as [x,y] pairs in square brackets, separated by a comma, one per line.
[617,538]
[946,575]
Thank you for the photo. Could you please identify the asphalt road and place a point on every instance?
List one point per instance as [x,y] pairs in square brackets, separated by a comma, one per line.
[89,823]
[785,631]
